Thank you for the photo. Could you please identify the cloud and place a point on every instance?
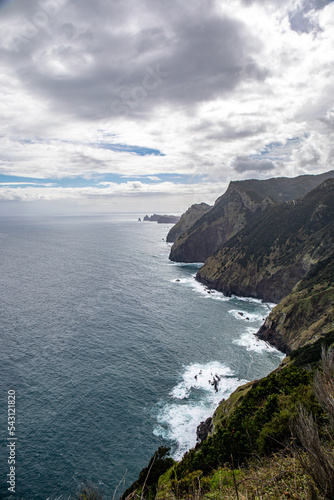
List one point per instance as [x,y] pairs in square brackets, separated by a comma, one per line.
[109,190]
[99,63]
[244,163]
[10,184]
[200,89]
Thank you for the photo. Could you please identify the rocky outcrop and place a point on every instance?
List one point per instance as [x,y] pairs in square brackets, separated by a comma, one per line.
[236,208]
[187,220]
[276,249]
[305,315]
[204,429]
[162,219]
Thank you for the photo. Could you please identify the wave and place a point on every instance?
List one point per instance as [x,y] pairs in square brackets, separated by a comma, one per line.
[202,386]
[192,400]
[268,305]
[214,294]
[198,287]
[252,343]
[248,316]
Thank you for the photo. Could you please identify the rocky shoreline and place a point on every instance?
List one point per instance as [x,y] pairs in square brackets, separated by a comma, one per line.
[229,270]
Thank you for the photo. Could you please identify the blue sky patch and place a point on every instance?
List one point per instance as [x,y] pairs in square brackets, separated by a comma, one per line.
[277,150]
[124,148]
[96,180]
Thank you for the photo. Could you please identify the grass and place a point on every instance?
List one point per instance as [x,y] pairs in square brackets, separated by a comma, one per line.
[278,477]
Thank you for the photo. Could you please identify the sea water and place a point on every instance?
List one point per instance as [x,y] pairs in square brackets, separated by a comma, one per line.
[112,350]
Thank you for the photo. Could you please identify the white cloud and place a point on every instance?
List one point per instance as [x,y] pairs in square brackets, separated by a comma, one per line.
[109,190]
[207,83]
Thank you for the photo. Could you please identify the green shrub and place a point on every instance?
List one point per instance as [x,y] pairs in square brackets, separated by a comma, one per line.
[258,425]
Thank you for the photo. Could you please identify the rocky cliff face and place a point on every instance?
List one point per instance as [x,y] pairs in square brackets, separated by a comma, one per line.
[305,315]
[277,248]
[234,209]
[228,216]
[187,220]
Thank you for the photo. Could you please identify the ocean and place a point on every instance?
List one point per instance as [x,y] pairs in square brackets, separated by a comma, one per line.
[111,350]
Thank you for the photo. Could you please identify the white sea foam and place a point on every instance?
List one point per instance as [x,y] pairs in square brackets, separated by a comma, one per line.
[197,376]
[193,400]
[198,287]
[247,316]
[268,305]
[252,343]
[214,294]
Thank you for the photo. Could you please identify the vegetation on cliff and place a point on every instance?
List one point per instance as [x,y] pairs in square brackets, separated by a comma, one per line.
[228,216]
[258,443]
[276,249]
[188,219]
[234,209]
[306,314]
[272,438]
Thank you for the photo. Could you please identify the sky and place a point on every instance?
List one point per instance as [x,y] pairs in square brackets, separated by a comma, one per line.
[152,105]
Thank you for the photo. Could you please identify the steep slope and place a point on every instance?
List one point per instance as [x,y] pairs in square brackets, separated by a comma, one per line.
[234,209]
[187,220]
[226,218]
[276,249]
[305,315]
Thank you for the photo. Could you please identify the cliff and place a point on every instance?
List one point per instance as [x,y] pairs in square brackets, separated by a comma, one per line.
[282,251]
[187,220]
[277,248]
[234,209]
[305,315]
[248,444]
[228,216]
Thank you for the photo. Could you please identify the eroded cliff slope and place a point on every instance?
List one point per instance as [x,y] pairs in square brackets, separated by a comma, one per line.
[306,314]
[228,216]
[276,249]
[187,220]
[234,209]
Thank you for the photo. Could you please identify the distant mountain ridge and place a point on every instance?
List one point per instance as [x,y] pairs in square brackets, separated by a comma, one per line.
[162,219]
[236,208]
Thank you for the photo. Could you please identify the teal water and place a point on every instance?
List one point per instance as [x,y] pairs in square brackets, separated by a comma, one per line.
[101,338]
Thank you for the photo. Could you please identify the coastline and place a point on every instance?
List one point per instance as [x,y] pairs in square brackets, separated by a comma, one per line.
[247,341]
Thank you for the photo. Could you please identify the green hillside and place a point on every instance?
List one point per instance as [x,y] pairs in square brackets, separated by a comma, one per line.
[234,210]
[276,249]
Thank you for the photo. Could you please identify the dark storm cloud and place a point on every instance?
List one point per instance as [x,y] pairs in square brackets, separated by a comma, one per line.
[93,59]
[244,163]
[210,57]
